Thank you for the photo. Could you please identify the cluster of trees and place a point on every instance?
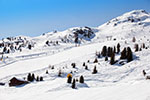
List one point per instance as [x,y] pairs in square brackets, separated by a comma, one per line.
[110,52]
[31,78]
[69,80]
[106,52]
[84,65]
[127,54]
[15,44]
[51,43]
[73,65]
[85,32]
[139,48]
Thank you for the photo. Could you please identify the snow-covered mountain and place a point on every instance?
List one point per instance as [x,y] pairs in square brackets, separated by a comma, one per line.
[78,51]
[134,23]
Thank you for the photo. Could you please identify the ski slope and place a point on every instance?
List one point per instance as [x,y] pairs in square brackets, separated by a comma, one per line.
[112,82]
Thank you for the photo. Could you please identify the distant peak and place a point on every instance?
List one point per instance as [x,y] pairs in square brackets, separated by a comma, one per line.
[137,12]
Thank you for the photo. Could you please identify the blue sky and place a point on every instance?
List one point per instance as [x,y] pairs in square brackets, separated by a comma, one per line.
[34,17]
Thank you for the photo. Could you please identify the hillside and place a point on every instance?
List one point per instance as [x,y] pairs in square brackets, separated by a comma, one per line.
[54,55]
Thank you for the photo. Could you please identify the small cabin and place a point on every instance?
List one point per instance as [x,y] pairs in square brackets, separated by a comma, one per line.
[16,82]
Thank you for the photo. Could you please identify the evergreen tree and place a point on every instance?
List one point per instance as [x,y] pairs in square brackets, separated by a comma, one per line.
[104,51]
[76,40]
[133,40]
[29,77]
[52,67]
[37,78]
[143,45]
[106,58]
[95,61]
[59,73]
[144,73]
[140,49]
[124,54]
[47,42]
[118,48]
[94,70]
[129,54]
[112,59]
[81,80]
[114,49]
[74,84]
[46,71]
[136,47]
[110,51]
[41,78]
[73,65]
[69,79]
[32,77]
[84,64]
[98,55]
[29,46]
[86,67]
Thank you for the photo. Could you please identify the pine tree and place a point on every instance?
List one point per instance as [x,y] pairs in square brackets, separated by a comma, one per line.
[118,48]
[143,45]
[29,78]
[84,64]
[133,40]
[144,73]
[140,49]
[29,46]
[124,54]
[110,51]
[81,80]
[41,78]
[136,46]
[98,55]
[104,51]
[114,49]
[59,73]
[32,77]
[95,61]
[76,40]
[69,79]
[94,70]
[52,67]
[106,58]
[74,84]
[46,71]
[77,80]
[129,54]
[86,67]
[37,78]
[73,65]
[112,59]
[47,42]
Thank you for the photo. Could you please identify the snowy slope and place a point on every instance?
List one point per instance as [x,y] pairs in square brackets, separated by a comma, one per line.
[115,82]
[134,23]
